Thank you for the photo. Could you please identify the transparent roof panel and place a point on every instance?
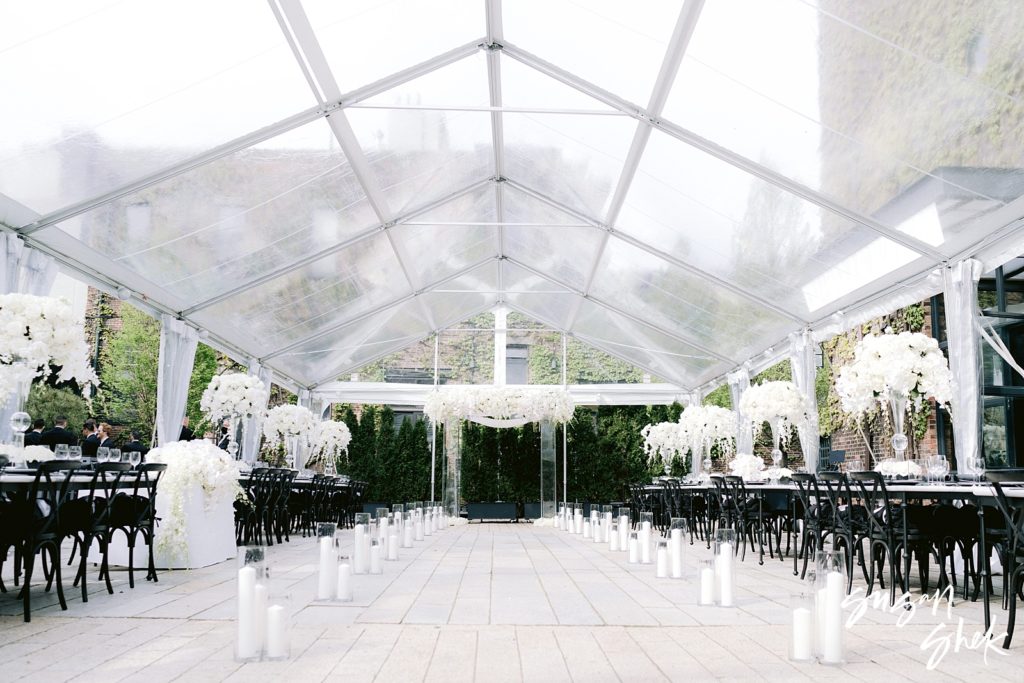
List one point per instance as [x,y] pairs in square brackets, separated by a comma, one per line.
[313,298]
[572,158]
[464,245]
[236,219]
[484,278]
[566,252]
[685,304]
[518,280]
[477,206]
[524,87]
[577,37]
[421,155]
[459,84]
[366,40]
[751,233]
[111,94]
[589,365]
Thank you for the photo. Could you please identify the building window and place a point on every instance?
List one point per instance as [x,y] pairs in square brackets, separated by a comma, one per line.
[517,368]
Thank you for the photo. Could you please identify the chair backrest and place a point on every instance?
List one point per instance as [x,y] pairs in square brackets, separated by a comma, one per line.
[1014,520]
[809,495]
[106,478]
[738,494]
[837,490]
[875,498]
[46,494]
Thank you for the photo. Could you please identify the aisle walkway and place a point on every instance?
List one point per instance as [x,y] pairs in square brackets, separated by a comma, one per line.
[494,602]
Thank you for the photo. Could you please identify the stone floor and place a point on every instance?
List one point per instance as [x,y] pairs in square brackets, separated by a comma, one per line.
[487,602]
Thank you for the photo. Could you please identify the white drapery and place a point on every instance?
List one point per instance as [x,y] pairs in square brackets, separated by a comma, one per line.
[804,368]
[961,283]
[252,426]
[739,382]
[178,344]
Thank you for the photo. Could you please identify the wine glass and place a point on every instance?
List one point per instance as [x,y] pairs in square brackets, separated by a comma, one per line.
[134,457]
[61,451]
[76,452]
[115,455]
[102,454]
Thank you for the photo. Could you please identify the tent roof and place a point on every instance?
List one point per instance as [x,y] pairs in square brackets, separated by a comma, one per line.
[318,184]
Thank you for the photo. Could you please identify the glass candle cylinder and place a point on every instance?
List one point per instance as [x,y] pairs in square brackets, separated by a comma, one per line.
[661,559]
[344,590]
[725,566]
[376,556]
[801,639]
[278,625]
[327,580]
[608,512]
[623,528]
[428,521]
[678,528]
[383,520]
[361,543]
[252,594]
[613,537]
[578,520]
[392,544]
[646,527]
[634,547]
[706,582]
[586,528]
[830,590]
[418,523]
[407,529]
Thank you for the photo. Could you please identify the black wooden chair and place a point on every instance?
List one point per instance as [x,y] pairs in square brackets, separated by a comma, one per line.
[134,514]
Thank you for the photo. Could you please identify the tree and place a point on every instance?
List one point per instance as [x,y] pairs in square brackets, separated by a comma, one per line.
[49,403]
[128,371]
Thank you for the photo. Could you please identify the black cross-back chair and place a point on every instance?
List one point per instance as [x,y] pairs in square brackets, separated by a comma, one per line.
[1013,562]
[747,518]
[815,511]
[848,525]
[134,514]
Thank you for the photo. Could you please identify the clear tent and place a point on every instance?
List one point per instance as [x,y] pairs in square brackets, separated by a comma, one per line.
[317,184]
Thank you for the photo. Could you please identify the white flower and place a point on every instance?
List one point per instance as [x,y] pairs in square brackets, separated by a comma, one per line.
[899,468]
[288,420]
[233,394]
[35,332]
[190,463]
[779,403]
[750,467]
[665,439]
[330,439]
[534,404]
[908,364]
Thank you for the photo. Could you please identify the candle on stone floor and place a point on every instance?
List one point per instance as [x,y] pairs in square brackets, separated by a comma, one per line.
[623,532]
[803,634]
[607,526]
[586,528]
[602,534]
[832,631]
[359,558]
[259,609]
[418,526]
[428,522]
[344,580]
[634,548]
[707,582]
[661,570]
[676,552]
[613,538]
[328,563]
[393,545]
[246,616]
[407,534]
[277,632]
[723,571]
[376,561]
[645,542]
[578,521]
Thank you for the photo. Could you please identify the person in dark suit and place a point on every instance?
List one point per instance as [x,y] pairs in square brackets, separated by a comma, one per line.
[57,435]
[90,439]
[224,440]
[33,436]
[136,445]
[105,434]
[186,433]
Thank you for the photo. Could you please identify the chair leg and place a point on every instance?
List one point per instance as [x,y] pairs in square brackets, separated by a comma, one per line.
[151,571]
[56,571]
[1012,618]
[28,563]
[82,566]
[105,566]
[131,558]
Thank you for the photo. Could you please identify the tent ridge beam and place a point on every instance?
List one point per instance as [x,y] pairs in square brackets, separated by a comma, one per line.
[715,150]
[683,265]
[334,248]
[495,34]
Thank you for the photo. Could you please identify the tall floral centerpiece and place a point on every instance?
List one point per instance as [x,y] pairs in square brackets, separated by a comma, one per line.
[290,424]
[232,396]
[709,427]
[330,442]
[665,440]
[37,332]
[894,371]
[782,406]
[531,404]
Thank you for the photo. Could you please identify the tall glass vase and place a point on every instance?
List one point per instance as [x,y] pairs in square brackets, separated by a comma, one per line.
[898,405]
[776,426]
[232,423]
[291,444]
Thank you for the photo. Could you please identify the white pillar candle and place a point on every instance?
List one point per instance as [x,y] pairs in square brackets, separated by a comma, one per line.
[376,562]
[707,586]
[634,550]
[393,545]
[359,558]
[661,571]
[607,526]
[599,536]
[645,543]
[246,615]
[428,523]
[623,532]
[407,536]
[328,562]
[344,582]
[259,610]
[382,528]
[675,544]
[832,634]
[723,568]
[418,526]
[803,634]
[613,540]
[277,632]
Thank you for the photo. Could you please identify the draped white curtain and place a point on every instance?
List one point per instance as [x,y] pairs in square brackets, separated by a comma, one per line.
[739,382]
[252,426]
[961,282]
[178,344]
[802,361]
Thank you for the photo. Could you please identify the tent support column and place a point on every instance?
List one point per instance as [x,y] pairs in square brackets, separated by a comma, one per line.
[565,429]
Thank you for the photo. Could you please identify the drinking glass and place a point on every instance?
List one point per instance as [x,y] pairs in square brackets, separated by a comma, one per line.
[102,454]
[61,452]
[115,455]
[76,452]
[135,458]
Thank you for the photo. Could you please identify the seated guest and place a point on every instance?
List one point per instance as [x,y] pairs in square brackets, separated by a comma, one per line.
[136,445]
[90,439]
[33,436]
[105,434]
[57,435]
[186,433]
[224,439]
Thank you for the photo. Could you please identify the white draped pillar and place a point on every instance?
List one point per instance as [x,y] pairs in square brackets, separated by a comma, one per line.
[804,368]
[10,262]
[252,426]
[739,382]
[961,281]
[178,343]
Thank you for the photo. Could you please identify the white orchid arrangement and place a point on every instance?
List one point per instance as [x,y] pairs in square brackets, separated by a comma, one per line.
[29,453]
[889,366]
[665,440]
[899,468]
[232,395]
[710,426]
[285,421]
[531,403]
[330,440]
[190,464]
[779,403]
[35,333]
[750,467]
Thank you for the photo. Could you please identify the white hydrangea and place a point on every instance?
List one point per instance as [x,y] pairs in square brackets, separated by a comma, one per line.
[899,468]
[534,404]
[779,403]
[233,394]
[35,332]
[288,420]
[750,467]
[886,366]
[190,463]
[708,426]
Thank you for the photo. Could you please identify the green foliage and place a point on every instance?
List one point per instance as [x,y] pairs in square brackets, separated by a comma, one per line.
[49,403]
[719,397]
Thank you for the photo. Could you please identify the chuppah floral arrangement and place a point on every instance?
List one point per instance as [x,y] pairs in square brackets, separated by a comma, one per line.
[233,394]
[532,404]
[779,403]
